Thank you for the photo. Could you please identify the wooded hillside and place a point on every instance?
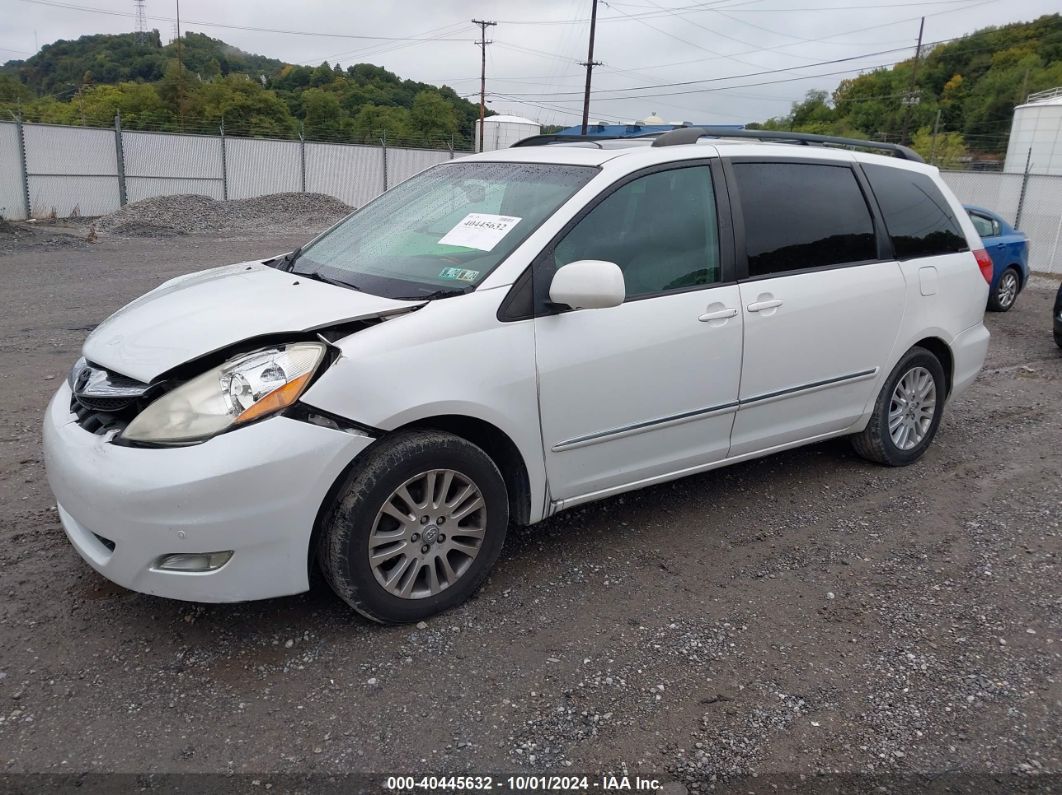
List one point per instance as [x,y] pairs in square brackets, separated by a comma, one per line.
[975,82]
[89,80]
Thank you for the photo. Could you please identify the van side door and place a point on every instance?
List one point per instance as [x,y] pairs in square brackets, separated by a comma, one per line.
[648,389]
[822,297]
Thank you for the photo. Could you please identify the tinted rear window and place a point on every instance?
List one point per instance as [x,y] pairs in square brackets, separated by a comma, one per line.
[802,215]
[917,216]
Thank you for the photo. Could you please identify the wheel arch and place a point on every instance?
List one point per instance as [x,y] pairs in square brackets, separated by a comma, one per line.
[943,352]
[1017,268]
[497,444]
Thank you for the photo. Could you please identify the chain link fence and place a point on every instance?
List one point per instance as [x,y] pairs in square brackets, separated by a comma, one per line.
[60,171]
[1030,202]
[53,170]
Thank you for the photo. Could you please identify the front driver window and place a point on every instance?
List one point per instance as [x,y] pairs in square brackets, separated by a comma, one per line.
[661,229]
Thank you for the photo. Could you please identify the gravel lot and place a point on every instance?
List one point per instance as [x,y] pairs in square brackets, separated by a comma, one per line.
[806,613]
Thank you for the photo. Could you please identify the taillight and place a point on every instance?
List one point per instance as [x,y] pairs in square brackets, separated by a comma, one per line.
[984,262]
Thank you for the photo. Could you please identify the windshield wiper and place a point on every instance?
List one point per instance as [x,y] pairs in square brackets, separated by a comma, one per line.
[320,277]
[287,262]
[444,293]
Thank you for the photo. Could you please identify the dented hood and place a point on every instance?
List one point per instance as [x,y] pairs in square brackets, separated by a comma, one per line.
[194,315]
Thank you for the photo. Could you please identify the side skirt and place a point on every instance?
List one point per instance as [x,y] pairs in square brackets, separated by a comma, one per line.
[570,502]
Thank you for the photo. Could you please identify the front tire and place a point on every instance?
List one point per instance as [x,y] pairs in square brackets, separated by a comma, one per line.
[1006,292]
[416,527]
[906,413]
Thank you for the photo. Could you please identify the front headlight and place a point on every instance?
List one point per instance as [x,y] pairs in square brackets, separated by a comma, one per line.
[75,371]
[245,388]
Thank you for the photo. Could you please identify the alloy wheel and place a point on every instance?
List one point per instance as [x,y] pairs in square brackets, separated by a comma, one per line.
[914,402]
[1008,289]
[427,534]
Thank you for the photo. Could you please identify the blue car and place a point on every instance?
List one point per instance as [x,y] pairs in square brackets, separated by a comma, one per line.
[1009,250]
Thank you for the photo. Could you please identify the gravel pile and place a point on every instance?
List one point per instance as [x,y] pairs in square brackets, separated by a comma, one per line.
[184,214]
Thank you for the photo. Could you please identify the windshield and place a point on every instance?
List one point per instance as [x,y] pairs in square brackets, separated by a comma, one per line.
[441,232]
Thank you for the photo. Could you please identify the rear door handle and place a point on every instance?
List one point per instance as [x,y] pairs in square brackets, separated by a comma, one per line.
[722,314]
[760,306]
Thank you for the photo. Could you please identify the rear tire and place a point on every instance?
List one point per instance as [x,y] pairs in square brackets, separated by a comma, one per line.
[1006,292]
[906,413]
[416,527]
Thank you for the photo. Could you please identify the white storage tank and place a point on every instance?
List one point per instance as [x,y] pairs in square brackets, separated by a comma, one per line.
[1037,128]
[501,132]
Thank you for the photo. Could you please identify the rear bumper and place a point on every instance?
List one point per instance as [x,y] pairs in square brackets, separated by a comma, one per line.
[969,350]
[255,492]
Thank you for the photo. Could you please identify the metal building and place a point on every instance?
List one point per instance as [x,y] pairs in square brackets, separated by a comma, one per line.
[501,132]
[1036,135]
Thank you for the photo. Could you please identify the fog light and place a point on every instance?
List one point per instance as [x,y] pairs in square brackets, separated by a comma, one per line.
[193,561]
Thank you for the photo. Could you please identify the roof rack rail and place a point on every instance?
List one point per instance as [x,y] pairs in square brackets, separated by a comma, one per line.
[553,138]
[690,135]
[557,138]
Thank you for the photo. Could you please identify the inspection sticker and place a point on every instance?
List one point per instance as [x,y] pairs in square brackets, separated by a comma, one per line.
[479,230]
[461,274]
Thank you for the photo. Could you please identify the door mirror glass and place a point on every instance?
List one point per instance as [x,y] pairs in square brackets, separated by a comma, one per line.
[588,284]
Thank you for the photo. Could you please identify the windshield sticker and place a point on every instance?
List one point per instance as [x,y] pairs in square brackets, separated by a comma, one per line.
[460,274]
[479,230]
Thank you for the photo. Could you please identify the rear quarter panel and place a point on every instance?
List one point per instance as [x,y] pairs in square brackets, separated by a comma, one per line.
[946,294]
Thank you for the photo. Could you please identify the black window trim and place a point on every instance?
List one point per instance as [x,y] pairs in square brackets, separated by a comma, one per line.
[879,217]
[997,228]
[883,242]
[510,310]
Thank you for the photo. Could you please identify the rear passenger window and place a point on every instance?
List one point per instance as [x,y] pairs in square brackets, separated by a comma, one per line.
[918,217]
[803,215]
[661,229]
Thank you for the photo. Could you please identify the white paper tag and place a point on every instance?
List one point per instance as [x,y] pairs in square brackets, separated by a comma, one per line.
[480,230]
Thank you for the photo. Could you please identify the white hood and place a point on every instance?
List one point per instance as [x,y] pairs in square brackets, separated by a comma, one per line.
[194,315]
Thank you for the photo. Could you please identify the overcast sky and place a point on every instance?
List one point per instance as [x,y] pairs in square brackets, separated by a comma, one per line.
[751,58]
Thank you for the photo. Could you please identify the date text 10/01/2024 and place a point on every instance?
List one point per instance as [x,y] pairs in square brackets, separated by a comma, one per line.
[605,783]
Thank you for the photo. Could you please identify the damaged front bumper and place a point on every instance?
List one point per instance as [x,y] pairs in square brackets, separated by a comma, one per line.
[255,492]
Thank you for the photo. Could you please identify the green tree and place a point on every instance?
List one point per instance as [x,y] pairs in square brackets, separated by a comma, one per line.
[323,117]
[374,121]
[138,103]
[432,117]
[243,106]
[946,152]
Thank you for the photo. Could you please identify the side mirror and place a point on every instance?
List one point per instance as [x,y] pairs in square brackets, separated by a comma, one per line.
[588,284]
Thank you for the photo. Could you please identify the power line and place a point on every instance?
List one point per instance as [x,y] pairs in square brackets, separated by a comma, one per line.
[204,23]
[740,85]
[736,77]
[379,49]
[698,8]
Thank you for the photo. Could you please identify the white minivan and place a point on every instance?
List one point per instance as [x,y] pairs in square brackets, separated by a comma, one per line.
[505,336]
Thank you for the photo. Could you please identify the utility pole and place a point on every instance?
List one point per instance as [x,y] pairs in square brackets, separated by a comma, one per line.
[180,71]
[911,99]
[81,102]
[482,44]
[936,131]
[590,64]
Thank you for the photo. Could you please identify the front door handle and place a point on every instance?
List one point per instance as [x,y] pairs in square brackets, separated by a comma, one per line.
[761,306]
[722,314]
